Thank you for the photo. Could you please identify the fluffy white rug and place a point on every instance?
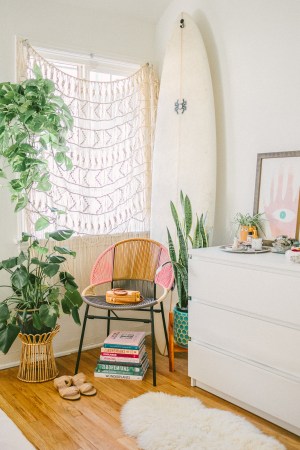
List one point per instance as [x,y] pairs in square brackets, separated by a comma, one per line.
[11,438]
[165,422]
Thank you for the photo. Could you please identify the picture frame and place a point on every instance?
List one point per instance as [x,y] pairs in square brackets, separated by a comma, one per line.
[277,193]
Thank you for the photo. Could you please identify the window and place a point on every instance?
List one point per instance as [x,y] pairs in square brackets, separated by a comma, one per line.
[113,105]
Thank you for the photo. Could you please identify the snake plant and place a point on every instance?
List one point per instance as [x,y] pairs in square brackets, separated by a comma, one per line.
[185,238]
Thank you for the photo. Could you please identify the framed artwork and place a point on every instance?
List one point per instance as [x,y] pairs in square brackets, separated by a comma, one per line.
[276,195]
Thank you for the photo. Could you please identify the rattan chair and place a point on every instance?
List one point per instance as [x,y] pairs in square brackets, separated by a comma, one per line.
[137,264]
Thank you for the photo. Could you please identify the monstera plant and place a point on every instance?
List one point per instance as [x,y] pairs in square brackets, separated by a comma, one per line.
[186,237]
[34,123]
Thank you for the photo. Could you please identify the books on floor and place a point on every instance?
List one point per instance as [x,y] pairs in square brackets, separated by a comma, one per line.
[123,356]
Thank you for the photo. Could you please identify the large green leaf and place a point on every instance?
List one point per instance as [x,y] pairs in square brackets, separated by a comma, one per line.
[66,306]
[20,278]
[175,214]
[36,320]
[183,251]
[41,223]
[26,237]
[9,263]
[171,247]
[75,315]
[7,337]
[188,216]
[50,269]
[56,259]
[183,275]
[203,232]
[61,235]
[197,241]
[49,314]
[68,281]
[64,251]
[21,258]
[74,298]
[21,203]
[4,312]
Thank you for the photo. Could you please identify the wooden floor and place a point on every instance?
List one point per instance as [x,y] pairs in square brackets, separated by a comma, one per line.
[50,422]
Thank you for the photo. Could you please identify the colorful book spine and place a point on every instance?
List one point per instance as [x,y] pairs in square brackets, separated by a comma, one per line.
[119,376]
[121,359]
[125,346]
[121,355]
[107,351]
[126,363]
[107,368]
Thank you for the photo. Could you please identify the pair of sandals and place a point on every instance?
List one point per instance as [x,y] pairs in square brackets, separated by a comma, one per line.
[71,388]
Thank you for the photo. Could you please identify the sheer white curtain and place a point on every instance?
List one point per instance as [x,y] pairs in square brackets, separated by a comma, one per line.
[108,190]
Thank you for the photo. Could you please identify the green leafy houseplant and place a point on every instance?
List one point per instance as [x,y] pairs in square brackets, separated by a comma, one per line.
[185,237]
[33,125]
[39,289]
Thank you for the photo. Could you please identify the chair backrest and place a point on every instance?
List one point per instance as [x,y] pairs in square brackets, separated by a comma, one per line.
[134,259]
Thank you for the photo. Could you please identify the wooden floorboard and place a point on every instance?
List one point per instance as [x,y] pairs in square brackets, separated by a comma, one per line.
[92,423]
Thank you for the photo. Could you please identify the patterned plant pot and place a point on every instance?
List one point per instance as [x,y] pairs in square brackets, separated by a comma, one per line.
[181,332]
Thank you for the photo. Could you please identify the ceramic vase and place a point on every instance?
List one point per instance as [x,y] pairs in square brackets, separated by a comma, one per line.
[181,335]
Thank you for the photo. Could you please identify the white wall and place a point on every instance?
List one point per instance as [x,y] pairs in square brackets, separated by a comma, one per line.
[81,29]
[253,49]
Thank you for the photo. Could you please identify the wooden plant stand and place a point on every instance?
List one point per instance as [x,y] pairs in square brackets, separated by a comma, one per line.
[37,362]
[173,348]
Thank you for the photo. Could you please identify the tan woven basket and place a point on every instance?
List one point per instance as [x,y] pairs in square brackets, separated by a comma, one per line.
[37,363]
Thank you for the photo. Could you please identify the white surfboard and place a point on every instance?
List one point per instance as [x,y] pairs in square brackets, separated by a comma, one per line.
[185,141]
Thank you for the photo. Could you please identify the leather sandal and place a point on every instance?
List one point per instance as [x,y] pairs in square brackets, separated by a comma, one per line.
[79,380]
[65,389]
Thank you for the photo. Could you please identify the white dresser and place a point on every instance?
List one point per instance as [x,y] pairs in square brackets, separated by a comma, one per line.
[244,325]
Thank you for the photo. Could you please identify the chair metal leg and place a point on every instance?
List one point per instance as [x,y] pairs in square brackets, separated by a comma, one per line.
[164,325]
[153,346]
[108,323]
[81,338]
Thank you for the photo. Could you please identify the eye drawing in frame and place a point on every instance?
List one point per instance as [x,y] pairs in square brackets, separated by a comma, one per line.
[277,193]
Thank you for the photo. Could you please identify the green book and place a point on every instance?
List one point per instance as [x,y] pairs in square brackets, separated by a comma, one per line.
[125,371]
[118,368]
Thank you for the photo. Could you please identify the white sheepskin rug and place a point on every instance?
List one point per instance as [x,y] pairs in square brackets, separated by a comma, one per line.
[167,422]
[11,438]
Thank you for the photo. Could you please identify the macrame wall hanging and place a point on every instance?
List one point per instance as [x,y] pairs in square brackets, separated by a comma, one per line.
[108,190]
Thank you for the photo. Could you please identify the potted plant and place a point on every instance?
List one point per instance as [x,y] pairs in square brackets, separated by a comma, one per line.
[179,258]
[40,289]
[249,224]
[33,124]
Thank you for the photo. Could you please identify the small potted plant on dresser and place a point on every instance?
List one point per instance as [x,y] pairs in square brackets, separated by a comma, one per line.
[179,258]
[33,124]
[248,224]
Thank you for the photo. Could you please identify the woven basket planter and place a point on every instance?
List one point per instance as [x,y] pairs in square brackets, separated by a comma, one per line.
[37,363]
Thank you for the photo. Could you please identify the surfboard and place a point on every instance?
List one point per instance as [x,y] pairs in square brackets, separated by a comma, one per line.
[184,156]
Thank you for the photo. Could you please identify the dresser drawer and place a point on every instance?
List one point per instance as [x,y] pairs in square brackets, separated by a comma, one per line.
[260,389]
[258,340]
[249,290]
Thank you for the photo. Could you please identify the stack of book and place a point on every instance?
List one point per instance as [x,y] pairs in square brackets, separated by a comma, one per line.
[123,356]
